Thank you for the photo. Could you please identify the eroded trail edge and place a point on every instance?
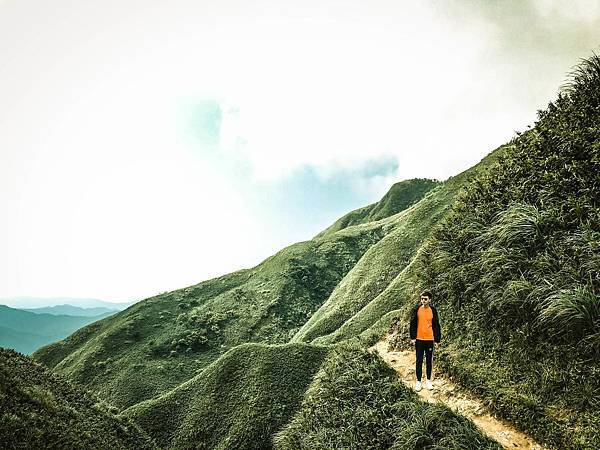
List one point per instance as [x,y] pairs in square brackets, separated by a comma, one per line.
[447,392]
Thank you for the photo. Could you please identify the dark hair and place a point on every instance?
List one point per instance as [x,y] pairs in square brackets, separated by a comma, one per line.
[427,294]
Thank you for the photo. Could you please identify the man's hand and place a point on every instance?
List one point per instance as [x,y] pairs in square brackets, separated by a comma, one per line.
[412,341]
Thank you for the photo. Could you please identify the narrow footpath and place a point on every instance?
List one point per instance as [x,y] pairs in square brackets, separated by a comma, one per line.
[448,393]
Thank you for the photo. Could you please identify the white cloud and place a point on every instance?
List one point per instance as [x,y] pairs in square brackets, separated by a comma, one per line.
[576,10]
[338,96]
[107,196]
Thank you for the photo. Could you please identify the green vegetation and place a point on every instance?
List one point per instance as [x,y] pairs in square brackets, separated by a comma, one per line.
[378,282]
[239,401]
[126,358]
[516,269]
[357,402]
[374,271]
[132,356]
[42,410]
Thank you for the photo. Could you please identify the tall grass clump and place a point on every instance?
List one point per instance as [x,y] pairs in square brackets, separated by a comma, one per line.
[357,402]
[574,315]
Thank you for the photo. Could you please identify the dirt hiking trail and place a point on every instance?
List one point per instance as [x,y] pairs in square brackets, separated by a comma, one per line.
[447,392]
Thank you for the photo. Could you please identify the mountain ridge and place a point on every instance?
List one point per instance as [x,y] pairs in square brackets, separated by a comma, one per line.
[70,310]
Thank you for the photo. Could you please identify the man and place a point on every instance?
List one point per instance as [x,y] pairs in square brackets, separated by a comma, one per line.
[424,332]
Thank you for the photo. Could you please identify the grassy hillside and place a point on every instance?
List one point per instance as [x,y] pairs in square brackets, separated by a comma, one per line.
[376,269]
[514,268]
[376,284]
[356,402]
[42,410]
[125,357]
[26,332]
[516,272]
[239,401]
[401,293]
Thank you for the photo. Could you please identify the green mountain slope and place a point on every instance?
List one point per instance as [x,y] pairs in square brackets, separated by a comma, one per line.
[41,410]
[516,268]
[400,196]
[239,401]
[125,357]
[376,278]
[26,331]
[509,248]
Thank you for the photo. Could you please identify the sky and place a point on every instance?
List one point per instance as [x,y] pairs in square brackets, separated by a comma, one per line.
[148,145]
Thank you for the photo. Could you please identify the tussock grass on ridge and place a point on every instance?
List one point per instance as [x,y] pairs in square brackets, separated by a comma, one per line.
[357,402]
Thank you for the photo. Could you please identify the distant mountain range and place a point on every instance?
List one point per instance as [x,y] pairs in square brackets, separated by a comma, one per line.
[26,331]
[43,302]
[70,310]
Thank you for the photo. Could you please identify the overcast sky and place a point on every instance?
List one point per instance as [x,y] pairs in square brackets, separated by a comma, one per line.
[148,145]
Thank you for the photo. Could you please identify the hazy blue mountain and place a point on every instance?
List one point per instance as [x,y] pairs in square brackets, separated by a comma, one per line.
[25,331]
[43,302]
[70,310]
[21,341]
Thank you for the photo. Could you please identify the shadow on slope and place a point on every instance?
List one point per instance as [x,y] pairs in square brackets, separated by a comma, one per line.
[41,410]
[239,401]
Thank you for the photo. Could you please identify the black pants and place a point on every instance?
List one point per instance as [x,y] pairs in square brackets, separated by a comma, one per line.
[427,348]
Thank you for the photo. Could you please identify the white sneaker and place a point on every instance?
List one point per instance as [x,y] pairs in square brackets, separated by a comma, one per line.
[429,385]
[418,386]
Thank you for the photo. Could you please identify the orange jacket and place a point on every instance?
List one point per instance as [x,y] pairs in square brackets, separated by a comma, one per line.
[437,330]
